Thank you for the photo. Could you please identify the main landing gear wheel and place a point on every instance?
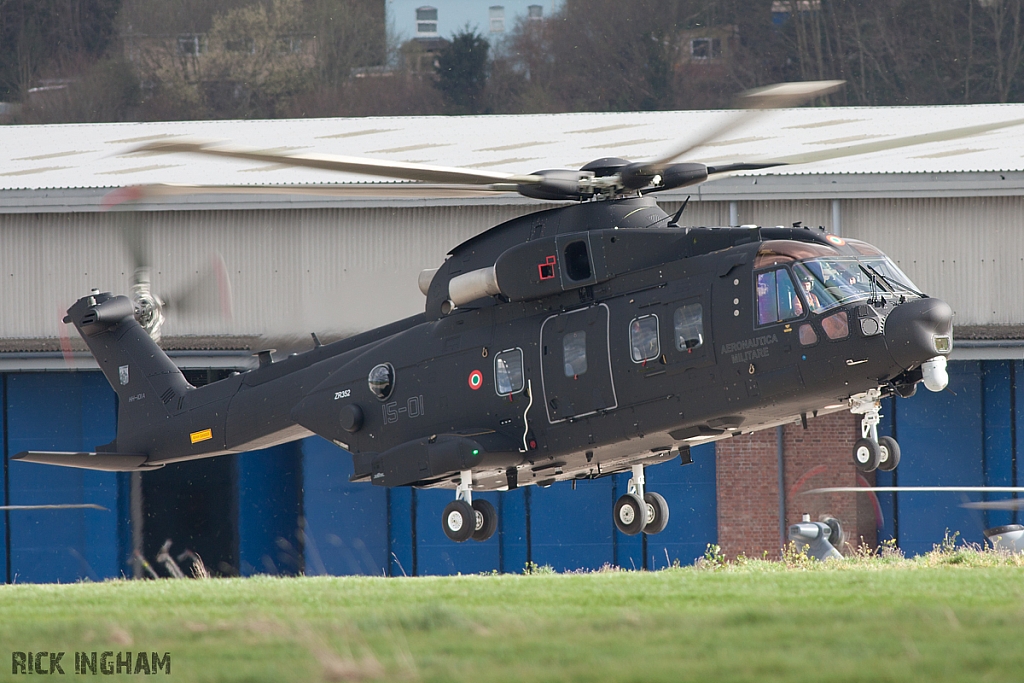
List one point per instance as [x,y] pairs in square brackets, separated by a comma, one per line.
[866,455]
[889,452]
[486,519]
[657,513]
[459,521]
[630,514]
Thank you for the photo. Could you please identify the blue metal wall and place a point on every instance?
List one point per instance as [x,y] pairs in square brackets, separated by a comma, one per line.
[347,524]
[67,412]
[968,435]
[270,536]
[297,509]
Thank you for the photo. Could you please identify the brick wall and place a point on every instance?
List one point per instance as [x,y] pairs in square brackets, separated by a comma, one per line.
[820,456]
[747,483]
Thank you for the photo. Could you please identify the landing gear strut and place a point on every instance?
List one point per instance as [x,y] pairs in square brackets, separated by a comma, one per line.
[637,510]
[872,452]
[465,518]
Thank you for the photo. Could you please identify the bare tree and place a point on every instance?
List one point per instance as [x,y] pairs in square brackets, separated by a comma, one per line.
[349,34]
[258,57]
[1002,29]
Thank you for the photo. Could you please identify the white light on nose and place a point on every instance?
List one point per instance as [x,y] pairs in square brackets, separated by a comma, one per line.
[934,373]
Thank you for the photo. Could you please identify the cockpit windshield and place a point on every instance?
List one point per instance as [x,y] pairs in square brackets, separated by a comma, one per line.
[832,281]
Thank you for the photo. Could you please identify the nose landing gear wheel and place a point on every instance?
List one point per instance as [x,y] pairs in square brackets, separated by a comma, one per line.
[458,520]
[866,455]
[657,513]
[889,453]
[485,520]
[630,514]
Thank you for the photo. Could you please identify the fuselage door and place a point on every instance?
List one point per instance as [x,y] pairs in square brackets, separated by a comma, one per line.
[576,372]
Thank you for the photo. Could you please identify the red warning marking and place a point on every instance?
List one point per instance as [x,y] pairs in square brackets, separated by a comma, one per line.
[547,269]
[476,380]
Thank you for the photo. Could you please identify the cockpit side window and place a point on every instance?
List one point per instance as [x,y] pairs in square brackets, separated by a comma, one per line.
[767,303]
[777,299]
[790,305]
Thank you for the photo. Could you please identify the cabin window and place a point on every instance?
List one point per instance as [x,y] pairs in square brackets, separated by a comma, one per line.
[643,338]
[382,381]
[688,322]
[836,326]
[807,335]
[777,299]
[574,353]
[508,372]
[577,261]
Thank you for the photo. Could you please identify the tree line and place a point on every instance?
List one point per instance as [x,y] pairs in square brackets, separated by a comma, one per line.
[97,60]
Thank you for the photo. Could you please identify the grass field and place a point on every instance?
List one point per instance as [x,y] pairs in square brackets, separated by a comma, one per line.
[954,615]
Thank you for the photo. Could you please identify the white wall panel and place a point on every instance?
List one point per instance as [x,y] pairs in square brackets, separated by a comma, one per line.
[968,251]
[811,213]
[338,271]
[292,272]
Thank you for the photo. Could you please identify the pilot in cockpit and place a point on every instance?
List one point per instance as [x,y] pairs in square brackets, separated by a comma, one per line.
[812,298]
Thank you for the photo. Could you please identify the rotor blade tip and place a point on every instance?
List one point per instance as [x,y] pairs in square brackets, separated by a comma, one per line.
[122,195]
[786,94]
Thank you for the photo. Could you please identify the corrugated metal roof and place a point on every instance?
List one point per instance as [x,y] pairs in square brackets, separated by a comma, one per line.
[53,157]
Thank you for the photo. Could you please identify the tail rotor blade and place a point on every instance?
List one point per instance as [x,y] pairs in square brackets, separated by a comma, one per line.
[208,293]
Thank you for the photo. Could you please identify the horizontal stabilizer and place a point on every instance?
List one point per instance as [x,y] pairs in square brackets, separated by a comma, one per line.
[106,462]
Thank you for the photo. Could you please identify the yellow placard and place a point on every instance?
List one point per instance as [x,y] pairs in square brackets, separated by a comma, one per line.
[204,435]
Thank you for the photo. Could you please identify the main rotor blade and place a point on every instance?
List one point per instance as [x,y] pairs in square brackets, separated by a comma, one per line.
[64,506]
[381,189]
[1011,504]
[752,104]
[925,489]
[895,143]
[344,164]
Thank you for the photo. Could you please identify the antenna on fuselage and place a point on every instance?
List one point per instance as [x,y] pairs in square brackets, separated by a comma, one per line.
[674,223]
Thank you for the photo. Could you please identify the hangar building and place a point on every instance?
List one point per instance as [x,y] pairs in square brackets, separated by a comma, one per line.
[346,259]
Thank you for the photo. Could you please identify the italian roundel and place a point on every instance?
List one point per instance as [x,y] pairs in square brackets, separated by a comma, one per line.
[476,380]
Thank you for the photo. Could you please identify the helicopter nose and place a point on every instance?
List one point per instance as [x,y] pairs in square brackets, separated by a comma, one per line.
[919,330]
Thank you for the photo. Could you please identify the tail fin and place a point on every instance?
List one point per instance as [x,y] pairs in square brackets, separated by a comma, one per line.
[148,384]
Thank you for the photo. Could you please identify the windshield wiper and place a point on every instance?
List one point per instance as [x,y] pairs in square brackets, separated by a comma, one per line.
[893,285]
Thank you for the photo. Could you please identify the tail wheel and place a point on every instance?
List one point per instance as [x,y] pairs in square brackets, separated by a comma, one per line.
[459,521]
[657,513]
[889,453]
[630,514]
[866,455]
[486,520]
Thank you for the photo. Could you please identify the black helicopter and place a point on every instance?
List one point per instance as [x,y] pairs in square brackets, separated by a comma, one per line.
[573,343]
